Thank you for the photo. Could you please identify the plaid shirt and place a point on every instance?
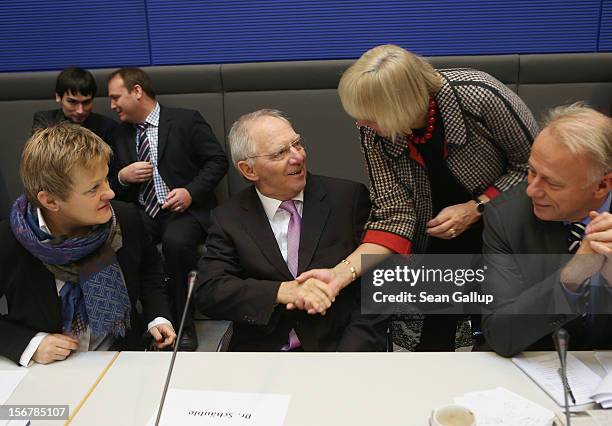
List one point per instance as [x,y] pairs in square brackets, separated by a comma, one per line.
[152,121]
[488,131]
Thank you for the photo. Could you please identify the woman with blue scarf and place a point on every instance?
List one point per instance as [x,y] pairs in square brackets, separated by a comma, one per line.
[73,263]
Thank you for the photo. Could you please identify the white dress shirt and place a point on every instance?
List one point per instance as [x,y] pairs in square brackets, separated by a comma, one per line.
[279,218]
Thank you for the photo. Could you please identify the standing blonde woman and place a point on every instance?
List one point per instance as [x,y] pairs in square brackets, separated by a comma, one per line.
[438,144]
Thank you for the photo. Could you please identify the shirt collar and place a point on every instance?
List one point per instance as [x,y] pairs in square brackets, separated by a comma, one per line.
[41,222]
[153,117]
[271,205]
[605,207]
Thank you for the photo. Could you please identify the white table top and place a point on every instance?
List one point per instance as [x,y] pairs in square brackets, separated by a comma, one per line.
[325,389]
[59,383]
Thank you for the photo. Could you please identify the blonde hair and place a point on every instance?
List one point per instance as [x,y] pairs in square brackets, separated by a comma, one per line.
[583,130]
[390,86]
[51,154]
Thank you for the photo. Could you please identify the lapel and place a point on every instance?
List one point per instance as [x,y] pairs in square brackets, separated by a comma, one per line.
[553,236]
[165,123]
[131,142]
[48,300]
[314,216]
[258,227]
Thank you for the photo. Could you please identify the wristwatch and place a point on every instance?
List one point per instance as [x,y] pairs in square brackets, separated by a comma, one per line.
[480,205]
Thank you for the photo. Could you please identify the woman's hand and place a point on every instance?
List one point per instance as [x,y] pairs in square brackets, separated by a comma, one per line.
[453,220]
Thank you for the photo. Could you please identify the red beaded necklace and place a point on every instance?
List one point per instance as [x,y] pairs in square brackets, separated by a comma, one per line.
[431,125]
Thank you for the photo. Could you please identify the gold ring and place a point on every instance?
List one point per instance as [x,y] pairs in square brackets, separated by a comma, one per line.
[453,233]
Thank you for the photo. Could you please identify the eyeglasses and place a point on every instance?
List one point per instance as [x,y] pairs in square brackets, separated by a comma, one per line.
[282,153]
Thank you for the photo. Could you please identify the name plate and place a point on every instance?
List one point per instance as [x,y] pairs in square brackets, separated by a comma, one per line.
[197,407]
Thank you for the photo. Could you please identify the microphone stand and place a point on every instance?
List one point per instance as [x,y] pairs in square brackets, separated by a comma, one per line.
[561,339]
[190,284]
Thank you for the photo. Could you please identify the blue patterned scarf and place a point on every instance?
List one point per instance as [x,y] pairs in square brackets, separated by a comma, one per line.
[94,293]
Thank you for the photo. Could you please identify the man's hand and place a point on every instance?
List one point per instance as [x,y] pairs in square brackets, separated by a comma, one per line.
[138,172]
[163,334]
[453,220]
[54,347]
[178,200]
[314,294]
[599,233]
[587,261]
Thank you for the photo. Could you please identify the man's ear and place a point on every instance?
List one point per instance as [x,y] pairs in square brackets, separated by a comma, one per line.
[247,171]
[137,90]
[48,201]
[604,186]
[58,98]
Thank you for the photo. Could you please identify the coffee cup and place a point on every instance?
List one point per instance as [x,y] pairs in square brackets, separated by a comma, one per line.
[452,415]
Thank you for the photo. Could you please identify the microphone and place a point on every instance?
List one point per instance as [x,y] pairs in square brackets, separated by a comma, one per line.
[561,339]
[191,279]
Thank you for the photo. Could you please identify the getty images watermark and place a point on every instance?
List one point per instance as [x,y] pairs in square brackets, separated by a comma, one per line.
[512,284]
[454,279]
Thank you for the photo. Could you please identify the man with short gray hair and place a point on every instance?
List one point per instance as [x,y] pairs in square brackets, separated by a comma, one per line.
[287,222]
[548,244]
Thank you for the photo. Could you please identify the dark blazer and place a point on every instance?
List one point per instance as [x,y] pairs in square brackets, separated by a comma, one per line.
[243,268]
[31,293]
[189,156]
[101,125]
[524,257]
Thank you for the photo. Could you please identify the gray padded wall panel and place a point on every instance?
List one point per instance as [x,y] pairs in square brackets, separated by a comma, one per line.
[331,136]
[15,129]
[566,68]
[541,97]
[283,75]
[35,85]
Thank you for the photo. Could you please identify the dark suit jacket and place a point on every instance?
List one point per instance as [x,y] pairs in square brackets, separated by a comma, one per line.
[243,268]
[189,156]
[101,125]
[524,257]
[31,293]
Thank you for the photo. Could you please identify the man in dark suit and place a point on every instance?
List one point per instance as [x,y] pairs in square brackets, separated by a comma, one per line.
[75,89]
[74,263]
[289,221]
[168,161]
[548,244]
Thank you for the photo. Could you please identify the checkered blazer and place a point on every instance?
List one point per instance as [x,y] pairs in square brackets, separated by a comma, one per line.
[488,131]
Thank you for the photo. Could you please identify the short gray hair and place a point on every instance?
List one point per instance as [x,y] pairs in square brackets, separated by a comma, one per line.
[583,130]
[242,145]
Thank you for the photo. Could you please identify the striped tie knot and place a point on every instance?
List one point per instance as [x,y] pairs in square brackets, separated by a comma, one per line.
[574,236]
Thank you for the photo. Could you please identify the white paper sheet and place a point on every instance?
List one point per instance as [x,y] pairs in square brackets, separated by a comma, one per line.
[196,407]
[605,359]
[543,369]
[497,407]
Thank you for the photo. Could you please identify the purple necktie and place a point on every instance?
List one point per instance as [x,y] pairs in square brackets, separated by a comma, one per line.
[293,236]
[293,245]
